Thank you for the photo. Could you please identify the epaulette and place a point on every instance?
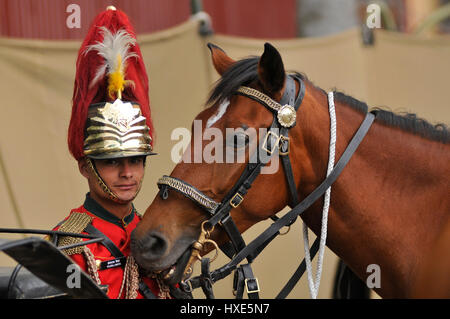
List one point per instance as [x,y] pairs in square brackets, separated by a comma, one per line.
[76,223]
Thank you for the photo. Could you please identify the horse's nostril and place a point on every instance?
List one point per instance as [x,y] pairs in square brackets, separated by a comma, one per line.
[151,247]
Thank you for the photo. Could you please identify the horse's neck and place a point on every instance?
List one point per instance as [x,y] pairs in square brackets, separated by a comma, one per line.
[387,204]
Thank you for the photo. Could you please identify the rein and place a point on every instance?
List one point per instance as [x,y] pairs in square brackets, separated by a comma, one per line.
[91,238]
[277,138]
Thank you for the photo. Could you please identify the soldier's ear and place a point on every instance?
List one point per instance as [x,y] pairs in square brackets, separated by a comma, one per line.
[83,167]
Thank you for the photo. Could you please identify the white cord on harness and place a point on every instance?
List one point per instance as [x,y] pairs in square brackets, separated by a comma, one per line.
[314,284]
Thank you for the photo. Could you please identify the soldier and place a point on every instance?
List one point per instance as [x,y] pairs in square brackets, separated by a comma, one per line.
[110,135]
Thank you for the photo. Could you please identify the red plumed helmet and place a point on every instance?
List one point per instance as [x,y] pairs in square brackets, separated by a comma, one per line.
[110,97]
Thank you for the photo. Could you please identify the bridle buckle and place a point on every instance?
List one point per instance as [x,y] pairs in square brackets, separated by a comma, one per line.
[284,139]
[252,285]
[236,200]
[274,145]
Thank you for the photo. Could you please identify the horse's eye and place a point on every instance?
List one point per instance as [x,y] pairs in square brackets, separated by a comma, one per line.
[237,140]
[240,140]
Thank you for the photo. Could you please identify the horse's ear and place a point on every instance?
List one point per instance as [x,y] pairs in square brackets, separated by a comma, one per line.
[271,70]
[220,59]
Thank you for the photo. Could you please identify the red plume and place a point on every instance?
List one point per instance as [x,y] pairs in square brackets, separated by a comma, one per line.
[86,92]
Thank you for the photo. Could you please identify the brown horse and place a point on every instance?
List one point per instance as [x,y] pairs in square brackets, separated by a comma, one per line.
[433,280]
[386,207]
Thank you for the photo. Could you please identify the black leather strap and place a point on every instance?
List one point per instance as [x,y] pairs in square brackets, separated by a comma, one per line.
[245,281]
[238,283]
[146,291]
[228,249]
[206,280]
[250,282]
[290,180]
[289,92]
[113,249]
[233,233]
[298,272]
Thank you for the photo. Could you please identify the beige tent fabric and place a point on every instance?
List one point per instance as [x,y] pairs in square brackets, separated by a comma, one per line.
[333,61]
[402,72]
[410,73]
[40,182]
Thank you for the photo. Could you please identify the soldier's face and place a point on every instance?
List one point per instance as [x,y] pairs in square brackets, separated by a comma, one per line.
[123,176]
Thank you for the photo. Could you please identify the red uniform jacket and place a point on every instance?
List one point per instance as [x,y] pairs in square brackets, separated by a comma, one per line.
[118,231]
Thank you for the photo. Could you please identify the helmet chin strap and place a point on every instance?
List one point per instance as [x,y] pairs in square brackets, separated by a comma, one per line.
[111,195]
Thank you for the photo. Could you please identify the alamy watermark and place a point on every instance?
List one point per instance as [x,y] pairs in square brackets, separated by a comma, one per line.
[73,20]
[373,16]
[74,278]
[374,279]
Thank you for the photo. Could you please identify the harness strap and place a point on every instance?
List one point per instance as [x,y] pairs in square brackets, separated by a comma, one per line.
[244,280]
[233,233]
[206,281]
[146,291]
[228,249]
[250,282]
[298,272]
[113,249]
[284,146]
[289,176]
[238,286]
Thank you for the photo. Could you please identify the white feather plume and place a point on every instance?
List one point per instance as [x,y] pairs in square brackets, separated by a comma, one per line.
[112,46]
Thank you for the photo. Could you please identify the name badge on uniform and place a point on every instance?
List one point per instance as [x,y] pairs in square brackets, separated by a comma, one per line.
[113,263]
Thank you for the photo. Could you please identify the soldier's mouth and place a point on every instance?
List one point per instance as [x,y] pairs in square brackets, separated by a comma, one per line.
[126,187]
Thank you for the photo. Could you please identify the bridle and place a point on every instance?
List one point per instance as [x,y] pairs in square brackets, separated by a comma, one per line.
[276,138]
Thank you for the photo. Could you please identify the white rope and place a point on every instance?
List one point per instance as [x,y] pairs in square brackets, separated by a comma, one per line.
[314,284]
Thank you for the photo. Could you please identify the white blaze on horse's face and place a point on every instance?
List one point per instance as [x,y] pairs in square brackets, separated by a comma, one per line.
[218,115]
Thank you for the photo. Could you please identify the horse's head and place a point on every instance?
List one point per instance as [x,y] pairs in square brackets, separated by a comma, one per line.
[225,138]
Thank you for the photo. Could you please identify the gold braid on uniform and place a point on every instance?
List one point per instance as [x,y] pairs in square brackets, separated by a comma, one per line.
[130,280]
[91,266]
[164,290]
[75,223]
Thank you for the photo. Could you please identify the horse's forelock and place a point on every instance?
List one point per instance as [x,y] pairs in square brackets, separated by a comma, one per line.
[242,72]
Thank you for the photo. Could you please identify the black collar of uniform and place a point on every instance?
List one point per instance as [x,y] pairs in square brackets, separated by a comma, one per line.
[95,208]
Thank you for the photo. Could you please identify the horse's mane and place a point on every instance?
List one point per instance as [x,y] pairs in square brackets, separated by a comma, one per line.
[406,121]
[245,71]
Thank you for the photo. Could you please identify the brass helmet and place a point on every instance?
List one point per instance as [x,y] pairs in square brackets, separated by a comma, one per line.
[116,130]
[110,106]
[111,110]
